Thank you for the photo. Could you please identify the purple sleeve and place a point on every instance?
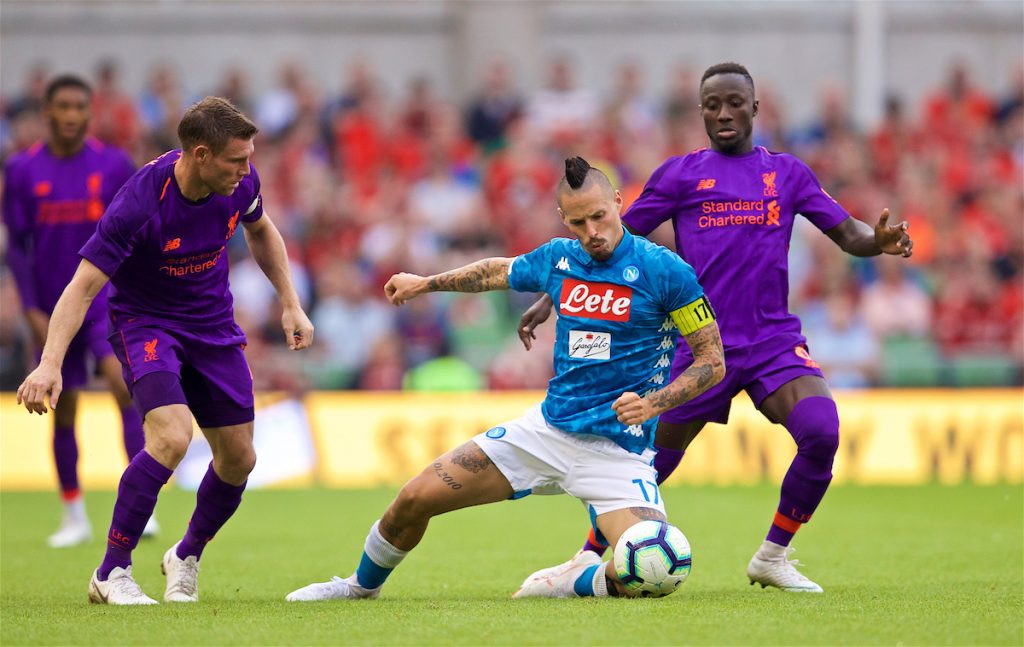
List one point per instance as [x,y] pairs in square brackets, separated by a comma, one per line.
[813,203]
[253,208]
[115,233]
[656,204]
[19,232]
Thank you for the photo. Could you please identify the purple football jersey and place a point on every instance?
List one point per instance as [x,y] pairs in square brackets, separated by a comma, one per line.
[51,206]
[733,219]
[165,255]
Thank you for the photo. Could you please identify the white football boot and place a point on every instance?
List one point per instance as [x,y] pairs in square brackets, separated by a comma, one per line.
[73,531]
[335,589]
[119,589]
[182,576]
[774,568]
[558,581]
[152,528]
[581,557]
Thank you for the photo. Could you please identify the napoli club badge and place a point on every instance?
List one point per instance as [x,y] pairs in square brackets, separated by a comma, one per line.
[630,274]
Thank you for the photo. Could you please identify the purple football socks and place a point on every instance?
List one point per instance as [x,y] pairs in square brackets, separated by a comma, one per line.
[216,501]
[814,425]
[136,499]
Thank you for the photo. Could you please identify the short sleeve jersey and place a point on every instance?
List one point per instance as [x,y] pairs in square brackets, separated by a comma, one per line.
[166,255]
[51,206]
[733,219]
[615,330]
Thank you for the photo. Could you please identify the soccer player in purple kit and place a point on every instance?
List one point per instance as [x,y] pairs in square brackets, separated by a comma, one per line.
[161,244]
[54,193]
[732,207]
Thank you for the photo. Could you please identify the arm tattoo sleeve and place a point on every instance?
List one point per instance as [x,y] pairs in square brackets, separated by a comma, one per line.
[707,370]
[481,276]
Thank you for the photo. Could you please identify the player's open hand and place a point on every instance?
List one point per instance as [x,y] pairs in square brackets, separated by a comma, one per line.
[893,239]
[42,387]
[402,287]
[631,409]
[298,329]
[537,314]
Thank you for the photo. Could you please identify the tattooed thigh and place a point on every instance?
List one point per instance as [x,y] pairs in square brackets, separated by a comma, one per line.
[648,514]
[470,457]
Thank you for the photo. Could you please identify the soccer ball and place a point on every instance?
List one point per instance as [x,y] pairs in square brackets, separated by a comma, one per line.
[652,558]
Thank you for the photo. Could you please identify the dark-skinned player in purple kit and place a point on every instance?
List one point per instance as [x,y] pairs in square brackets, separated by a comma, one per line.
[732,206]
[162,245]
[54,193]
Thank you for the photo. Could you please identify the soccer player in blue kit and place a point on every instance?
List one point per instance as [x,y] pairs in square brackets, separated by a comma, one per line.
[162,245]
[54,194]
[621,300]
[732,206]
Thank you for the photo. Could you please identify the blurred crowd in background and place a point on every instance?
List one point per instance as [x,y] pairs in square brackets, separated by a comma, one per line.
[363,184]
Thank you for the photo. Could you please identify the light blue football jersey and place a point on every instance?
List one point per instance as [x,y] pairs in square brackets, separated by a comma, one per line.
[616,328]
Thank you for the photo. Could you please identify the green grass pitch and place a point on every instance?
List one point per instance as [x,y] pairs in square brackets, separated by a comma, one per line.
[913,566]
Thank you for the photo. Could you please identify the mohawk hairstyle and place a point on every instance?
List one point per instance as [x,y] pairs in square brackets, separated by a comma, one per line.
[727,68]
[576,169]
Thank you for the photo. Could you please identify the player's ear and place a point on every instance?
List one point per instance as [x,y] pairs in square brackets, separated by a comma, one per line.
[756,105]
[200,152]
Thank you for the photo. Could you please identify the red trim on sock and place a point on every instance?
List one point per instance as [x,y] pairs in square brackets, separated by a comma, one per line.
[786,523]
[70,496]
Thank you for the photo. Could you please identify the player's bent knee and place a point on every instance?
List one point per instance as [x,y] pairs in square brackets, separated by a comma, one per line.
[413,503]
[814,424]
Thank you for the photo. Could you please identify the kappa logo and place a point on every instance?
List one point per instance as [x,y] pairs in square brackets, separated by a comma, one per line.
[704,185]
[150,348]
[635,430]
[769,184]
[663,361]
[172,244]
[658,378]
[667,343]
[562,264]
[605,301]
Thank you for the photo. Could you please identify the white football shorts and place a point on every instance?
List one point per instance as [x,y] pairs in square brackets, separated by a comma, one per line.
[537,458]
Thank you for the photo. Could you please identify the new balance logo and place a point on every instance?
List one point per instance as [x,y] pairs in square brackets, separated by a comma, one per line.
[706,184]
[562,264]
[172,244]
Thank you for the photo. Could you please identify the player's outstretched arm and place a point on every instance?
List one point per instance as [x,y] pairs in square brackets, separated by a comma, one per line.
[858,238]
[42,387]
[268,249]
[481,276]
[707,370]
[537,314]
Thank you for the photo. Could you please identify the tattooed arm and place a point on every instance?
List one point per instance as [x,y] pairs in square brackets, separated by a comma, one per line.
[481,276]
[707,370]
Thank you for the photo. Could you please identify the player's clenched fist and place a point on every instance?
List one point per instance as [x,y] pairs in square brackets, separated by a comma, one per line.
[402,287]
[631,409]
[41,387]
[298,329]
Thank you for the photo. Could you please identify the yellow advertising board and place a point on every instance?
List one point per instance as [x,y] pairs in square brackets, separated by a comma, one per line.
[372,439]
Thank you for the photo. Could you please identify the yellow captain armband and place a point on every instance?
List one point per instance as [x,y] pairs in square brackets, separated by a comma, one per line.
[693,316]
